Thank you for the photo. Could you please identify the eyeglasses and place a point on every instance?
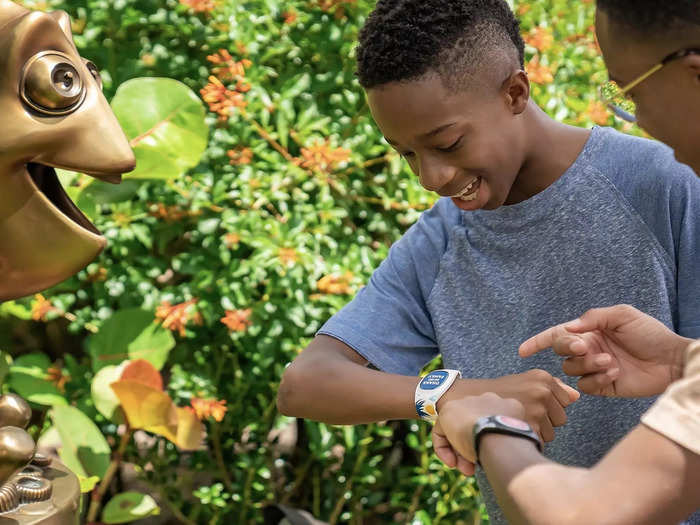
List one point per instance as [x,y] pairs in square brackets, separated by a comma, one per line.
[618,99]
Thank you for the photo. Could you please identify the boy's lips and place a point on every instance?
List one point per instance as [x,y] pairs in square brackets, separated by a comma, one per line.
[469,192]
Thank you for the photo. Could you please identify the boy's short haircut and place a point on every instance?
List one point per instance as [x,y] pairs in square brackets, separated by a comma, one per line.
[403,40]
[653,17]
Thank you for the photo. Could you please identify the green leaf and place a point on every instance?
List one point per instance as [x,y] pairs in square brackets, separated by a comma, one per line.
[130,334]
[129,506]
[87,484]
[106,402]
[28,377]
[84,449]
[164,121]
[16,309]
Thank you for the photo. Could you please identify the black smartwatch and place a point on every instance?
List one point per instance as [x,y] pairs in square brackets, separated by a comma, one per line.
[503,425]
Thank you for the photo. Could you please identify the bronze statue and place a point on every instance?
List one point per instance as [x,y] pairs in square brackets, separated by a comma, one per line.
[54,115]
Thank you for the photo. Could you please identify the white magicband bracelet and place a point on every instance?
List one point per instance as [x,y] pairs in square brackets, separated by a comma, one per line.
[430,390]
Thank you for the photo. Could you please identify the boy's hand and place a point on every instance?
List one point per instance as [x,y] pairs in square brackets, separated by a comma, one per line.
[543,397]
[617,351]
[452,434]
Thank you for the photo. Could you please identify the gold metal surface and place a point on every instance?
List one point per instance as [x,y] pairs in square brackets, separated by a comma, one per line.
[14,411]
[53,115]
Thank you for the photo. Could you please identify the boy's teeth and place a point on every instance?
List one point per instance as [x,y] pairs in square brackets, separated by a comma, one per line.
[469,197]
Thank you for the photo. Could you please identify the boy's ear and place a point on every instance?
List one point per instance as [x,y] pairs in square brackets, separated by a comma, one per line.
[64,22]
[693,63]
[516,89]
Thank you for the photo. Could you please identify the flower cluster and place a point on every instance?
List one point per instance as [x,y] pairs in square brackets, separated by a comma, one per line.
[205,408]
[220,99]
[322,157]
[237,320]
[200,6]
[335,284]
[176,317]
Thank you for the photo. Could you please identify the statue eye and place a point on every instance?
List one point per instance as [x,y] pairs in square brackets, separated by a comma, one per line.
[51,84]
[92,68]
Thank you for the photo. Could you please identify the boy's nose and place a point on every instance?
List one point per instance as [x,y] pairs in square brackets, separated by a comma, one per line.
[435,176]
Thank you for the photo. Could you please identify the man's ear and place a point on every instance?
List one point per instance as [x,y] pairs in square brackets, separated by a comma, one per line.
[516,89]
[63,21]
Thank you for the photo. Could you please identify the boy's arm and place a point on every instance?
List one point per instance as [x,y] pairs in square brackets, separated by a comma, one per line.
[330,382]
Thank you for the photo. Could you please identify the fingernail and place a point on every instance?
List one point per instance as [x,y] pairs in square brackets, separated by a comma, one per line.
[602,359]
[613,372]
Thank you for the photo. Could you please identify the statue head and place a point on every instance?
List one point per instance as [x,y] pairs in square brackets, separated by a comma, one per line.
[54,115]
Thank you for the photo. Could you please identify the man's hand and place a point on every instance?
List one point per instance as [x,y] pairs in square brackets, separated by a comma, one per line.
[617,351]
[452,434]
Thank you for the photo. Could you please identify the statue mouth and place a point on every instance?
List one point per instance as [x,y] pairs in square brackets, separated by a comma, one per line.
[46,182]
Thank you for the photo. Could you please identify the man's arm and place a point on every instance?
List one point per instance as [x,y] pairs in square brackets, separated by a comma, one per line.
[646,479]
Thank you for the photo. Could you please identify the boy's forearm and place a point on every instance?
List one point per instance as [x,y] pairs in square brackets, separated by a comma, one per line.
[326,384]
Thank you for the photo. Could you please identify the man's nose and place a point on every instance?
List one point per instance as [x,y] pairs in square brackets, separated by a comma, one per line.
[434,175]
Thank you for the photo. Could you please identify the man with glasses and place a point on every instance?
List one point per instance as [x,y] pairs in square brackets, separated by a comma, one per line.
[652,51]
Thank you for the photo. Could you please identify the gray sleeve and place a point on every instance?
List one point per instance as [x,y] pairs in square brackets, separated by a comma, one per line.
[388,322]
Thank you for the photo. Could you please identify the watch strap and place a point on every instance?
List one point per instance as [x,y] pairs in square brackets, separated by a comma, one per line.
[430,389]
[503,425]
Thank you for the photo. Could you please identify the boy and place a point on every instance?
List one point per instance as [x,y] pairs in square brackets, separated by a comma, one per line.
[540,222]
[652,476]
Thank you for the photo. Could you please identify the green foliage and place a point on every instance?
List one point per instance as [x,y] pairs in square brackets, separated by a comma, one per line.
[129,506]
[294,202]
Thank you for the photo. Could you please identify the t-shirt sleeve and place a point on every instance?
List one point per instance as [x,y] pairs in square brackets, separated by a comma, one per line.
[676,414]
[388,321]
[666,194]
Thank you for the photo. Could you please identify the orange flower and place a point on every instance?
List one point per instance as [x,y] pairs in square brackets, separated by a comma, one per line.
[523,9]
[288,256]
[237,320]
[290,17]
[231,239]
[335,284]
[200,6]
[335,5]
[57,377]
[539,73]
[99,275]
[221,99]
[321,157]
[598,112]
[41,307]
[168,213]
[204,408]
[240,156]
[539,38]
[176,317]
[228,69]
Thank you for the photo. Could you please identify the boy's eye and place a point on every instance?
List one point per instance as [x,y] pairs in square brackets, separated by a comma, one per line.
[452,147]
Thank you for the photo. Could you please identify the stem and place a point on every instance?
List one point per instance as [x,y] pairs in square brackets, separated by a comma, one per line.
[98,494]
[299,476]
[246,494]
[216,442]
[348,486]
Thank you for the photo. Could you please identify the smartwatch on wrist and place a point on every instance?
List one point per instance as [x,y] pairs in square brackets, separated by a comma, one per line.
[430,389]
[503,425]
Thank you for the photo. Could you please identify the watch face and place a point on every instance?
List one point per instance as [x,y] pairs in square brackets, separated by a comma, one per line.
[433,380]
[512,422]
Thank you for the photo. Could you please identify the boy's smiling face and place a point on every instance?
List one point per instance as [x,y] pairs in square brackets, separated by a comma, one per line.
[466,144]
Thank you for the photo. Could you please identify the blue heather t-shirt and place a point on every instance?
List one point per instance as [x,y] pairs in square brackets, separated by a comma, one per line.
[621,225]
